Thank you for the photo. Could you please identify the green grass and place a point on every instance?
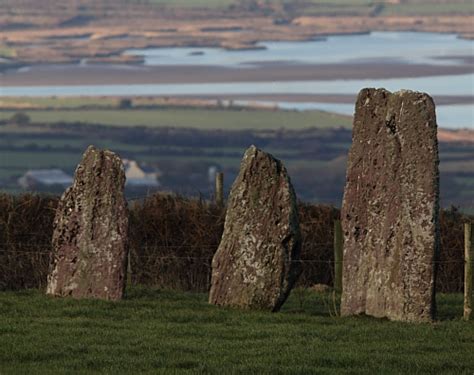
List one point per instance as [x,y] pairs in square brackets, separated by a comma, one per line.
[7,52]
[452,7]
[60,102]
[343,2]
[193,118]
[155,331]
[22,159]
[78,142]
[190,3]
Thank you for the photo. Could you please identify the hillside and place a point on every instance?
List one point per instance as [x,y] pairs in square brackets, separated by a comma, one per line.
[184,138]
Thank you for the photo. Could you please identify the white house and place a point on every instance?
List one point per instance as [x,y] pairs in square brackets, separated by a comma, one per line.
[44,177]
[140,176]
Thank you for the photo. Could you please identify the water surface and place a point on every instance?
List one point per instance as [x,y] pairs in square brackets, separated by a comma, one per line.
[404,47]
[379,47]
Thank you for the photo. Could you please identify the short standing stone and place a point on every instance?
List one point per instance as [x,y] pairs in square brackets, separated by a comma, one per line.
[390,208]
[90,231]
[256,264]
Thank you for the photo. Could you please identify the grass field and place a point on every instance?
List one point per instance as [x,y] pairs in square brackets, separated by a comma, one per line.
[335,6]
[154,331]
[38,160]
[192,3]
[193,118]
[58,102]
[183,141]
[451,7]
[7,52]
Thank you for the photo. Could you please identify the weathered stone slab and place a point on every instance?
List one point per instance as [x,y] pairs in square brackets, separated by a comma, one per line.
[256,264]
[390,207]
[90,231]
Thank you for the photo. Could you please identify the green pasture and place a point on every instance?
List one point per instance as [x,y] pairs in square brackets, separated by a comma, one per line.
[226,3]
[32,159]
[52,143]
[59,102]
[423,9]
[342,2]
[337,6]
[164,332]
[7,52]
[189,3]
[192,118]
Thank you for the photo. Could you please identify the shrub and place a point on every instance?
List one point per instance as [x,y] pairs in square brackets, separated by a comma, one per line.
[26,227]
[125,103]
[20,118]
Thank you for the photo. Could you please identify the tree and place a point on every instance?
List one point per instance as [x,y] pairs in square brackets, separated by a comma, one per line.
[20,118]
[125,103]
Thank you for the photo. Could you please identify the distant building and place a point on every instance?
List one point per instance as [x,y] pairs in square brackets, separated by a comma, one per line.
[44,178]
[140,176]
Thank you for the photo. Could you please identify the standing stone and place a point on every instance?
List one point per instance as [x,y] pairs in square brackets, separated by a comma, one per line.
[390,208]
[90,231]
[256,264]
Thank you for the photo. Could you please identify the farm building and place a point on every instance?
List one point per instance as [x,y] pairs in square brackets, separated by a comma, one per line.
[35,178]
[140,176]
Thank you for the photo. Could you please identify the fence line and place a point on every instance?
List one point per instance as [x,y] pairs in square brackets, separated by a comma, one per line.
[147,247]
[48,252]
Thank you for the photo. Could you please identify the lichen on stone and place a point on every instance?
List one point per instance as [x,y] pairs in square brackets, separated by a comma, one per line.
[90,231]
[256,264]
[390,207]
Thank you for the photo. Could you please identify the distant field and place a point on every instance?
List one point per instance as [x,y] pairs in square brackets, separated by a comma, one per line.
[164,332]
[194,118]
[337,6]
[30,146]
[459,7]
[342,2]
[58,102]
[184,141]
[7,52]
[27,160]
[226,3]
[190,3]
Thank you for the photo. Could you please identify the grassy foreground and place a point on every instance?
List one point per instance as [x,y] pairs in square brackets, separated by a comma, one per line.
[156,331]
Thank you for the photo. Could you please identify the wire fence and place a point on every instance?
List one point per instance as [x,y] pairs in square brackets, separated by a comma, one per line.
[28,266]
[174,257]
[173,240]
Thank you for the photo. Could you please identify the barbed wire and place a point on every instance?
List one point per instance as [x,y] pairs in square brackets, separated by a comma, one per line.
[149,247]
[209,258]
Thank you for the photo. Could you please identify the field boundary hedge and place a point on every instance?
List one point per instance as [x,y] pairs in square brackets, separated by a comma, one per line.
[173,239]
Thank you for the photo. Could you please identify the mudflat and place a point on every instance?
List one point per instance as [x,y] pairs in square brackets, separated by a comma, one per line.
[52,31]
[71,74]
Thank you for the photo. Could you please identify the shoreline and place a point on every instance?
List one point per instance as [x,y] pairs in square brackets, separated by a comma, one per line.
[108,74]
[104,37]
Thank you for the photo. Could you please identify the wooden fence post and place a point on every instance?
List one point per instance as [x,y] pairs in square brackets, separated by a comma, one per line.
[338,256]
[468,275]
[219,193]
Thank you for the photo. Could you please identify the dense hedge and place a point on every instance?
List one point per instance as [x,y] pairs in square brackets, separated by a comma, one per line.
[173,239]
[26,227]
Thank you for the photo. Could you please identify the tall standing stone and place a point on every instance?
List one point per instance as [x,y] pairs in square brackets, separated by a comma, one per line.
[256,264]
[390,207]
[90,231]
